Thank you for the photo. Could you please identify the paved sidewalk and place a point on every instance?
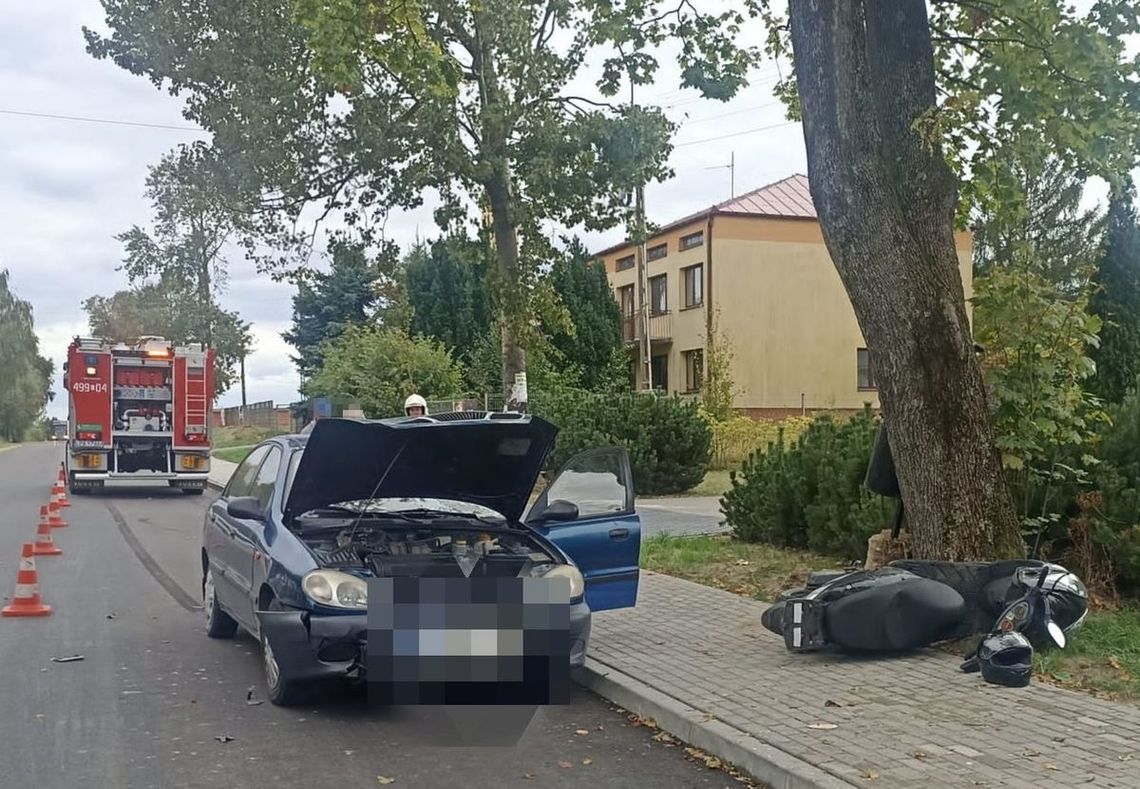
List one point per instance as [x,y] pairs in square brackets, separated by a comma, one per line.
[698,658]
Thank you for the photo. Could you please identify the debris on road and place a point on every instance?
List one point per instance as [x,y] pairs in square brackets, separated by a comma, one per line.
[223,738]
[70,659]
[823,726]
[384,780]
[250,700]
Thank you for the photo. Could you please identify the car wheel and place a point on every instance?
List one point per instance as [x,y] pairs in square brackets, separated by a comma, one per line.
[282,692]
[219,624]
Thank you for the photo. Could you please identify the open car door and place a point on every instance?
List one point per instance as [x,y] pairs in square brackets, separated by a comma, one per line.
[588,512]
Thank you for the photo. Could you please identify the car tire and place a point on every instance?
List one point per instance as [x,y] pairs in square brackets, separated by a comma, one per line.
[219,624]
[282,692]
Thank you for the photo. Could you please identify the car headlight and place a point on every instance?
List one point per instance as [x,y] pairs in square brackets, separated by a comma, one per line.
[577,583]
[334,588]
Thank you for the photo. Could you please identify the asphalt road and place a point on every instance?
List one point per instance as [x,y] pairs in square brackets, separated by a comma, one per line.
[146,704]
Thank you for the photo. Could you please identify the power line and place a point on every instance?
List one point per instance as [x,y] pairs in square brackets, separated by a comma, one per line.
[106,121]
[736,134]
[691,121]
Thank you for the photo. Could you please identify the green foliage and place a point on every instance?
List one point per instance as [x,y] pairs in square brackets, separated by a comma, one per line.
[168,308]
[1036,342]
[810,494]
[668,440]
[447,288]
[1020,83]
[25,387]
[1115,517]
[379,367]
[356,107]
[718,391]
[1117,301]
[739,437]
[1049,231]
[350,293]
[589,341]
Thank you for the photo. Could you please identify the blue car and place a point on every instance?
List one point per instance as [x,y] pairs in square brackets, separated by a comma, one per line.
[306,520]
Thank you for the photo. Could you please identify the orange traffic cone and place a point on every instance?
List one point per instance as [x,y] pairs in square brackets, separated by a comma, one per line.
[59,493]
[55,519]
[26,601]
[62,475]
[45,545]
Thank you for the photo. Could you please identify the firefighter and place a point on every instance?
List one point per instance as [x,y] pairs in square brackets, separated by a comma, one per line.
[415,406]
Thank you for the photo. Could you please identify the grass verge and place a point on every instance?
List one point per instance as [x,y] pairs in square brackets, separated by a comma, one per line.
[232,454]
[227,437]
[752,570]
[1102,657]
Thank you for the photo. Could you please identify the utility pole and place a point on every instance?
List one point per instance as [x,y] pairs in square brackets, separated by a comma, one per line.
[242,367]
[645,345]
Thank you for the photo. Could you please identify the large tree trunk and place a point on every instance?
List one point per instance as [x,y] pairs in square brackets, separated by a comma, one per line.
[512,308]
[886,201]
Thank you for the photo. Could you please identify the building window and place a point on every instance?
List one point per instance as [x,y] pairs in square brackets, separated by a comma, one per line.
[694,369]
[657,252]
[628,324]
[659,369]
[658,295]
[692,240]
[693,285]
[865,372]
[625,263]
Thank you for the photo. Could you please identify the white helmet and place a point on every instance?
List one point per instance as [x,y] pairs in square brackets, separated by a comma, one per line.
[414,401]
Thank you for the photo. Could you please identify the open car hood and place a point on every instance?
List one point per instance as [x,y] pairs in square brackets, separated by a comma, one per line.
[493,462]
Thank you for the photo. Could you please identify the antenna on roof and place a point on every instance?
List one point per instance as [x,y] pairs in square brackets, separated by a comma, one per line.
[731,167]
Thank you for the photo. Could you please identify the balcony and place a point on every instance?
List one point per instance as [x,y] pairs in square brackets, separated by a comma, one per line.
[660,327]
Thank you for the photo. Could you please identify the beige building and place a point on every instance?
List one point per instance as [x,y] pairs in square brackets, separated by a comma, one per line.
[759,265]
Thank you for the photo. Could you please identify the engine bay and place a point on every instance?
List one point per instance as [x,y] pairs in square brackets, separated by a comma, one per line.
[431,552]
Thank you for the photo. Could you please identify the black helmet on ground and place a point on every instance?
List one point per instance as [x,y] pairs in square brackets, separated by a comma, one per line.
[1006,659]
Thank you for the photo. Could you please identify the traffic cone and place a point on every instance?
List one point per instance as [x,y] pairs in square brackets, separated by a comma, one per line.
[26,601]
[55,519]
[45,545]
[59,494]
[62,475]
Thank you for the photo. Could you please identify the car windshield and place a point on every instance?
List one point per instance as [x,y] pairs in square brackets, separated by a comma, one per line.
[404,504]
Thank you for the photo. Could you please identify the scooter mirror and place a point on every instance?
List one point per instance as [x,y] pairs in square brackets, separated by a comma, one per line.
[1057,634]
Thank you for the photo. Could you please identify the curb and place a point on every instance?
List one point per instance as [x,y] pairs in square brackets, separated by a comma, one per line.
[700,730]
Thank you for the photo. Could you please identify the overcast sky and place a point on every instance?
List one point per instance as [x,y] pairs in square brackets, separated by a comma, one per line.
[68,186]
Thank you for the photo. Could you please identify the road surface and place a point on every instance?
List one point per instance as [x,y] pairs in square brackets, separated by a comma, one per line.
[147,704]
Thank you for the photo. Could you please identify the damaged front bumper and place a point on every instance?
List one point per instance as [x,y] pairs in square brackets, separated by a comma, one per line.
[309,647]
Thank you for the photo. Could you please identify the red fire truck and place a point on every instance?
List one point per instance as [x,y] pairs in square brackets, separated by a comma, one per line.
[138,412]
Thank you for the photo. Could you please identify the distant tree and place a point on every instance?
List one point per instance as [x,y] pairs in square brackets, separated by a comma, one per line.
[1050,229]
[379,367]
[448,292]
[168,309]
[25,386]
[587,343]
[1117,301]
[355,290]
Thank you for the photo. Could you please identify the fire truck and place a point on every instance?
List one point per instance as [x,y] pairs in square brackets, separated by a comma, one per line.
[138,412]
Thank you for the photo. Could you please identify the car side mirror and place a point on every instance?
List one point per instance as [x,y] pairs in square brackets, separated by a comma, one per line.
[245,508]
[559,510]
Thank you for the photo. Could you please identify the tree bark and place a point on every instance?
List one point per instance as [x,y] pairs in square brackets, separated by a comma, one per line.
[511,308]
[886,201]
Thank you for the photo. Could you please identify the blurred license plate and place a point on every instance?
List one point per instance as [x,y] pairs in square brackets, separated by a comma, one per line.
[469,640]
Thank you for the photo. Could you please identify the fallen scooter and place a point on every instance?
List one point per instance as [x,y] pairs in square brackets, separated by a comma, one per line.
[1018,605]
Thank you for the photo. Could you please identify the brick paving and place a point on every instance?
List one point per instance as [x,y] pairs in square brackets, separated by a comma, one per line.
[901,722]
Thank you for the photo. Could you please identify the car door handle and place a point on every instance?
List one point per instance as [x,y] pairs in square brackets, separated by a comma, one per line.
[619,534]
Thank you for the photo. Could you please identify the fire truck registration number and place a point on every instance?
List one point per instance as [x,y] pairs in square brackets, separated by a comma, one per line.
[89,386]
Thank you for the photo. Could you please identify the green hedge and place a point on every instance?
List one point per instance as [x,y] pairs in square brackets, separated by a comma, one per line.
[669,442]
[810,494]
